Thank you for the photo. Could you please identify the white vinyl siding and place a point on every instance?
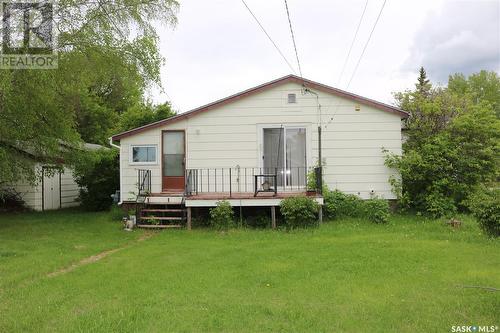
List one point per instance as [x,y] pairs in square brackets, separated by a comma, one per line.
[70,191]
[230,135]
[66,197]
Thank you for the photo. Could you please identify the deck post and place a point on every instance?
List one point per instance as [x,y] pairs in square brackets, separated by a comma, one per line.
[188,218]
[320,214]
[273,217]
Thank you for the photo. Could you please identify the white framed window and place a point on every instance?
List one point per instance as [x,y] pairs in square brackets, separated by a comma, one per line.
[292,98]
[143,154]
[285,149]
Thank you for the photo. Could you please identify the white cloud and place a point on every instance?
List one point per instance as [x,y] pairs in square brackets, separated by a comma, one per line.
[217,49]
[464,36]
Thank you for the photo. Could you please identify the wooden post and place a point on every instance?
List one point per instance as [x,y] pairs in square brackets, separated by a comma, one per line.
[320,214]
[189,218]
[273,217]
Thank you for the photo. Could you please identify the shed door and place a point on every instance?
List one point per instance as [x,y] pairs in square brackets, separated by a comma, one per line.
[173,161]
[51,190]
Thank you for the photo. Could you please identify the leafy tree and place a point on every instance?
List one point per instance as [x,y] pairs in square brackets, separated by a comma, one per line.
[108,55]
[481,87]
[142,114]
[453,144]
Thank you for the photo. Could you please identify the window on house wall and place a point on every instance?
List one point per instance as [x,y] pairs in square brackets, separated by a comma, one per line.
[143,154]
[292,98]
[284,152]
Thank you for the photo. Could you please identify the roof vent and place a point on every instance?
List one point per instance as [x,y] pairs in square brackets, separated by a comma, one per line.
[292,98]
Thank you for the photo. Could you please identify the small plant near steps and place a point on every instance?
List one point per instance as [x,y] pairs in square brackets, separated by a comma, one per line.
[161,216]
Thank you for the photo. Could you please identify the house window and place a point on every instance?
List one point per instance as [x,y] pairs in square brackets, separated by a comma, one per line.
[143,154]
[284,152]
[292,98]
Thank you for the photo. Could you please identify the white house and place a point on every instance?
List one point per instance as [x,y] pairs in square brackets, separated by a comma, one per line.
[263,138]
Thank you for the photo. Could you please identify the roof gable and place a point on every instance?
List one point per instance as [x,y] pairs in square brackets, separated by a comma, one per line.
[268,85]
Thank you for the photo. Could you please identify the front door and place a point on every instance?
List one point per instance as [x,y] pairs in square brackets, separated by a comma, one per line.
[173,161]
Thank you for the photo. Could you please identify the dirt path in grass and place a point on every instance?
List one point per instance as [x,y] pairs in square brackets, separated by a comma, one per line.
[99,256]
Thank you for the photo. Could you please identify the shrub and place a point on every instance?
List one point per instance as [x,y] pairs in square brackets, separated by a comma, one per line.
[98,176]
[442,164]
[299,211]
[485,206]
[439,205]
[376,210]
[338,204]
[10,200]
[222,216]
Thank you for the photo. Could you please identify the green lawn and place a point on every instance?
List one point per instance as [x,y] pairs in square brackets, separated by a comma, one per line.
[347,276]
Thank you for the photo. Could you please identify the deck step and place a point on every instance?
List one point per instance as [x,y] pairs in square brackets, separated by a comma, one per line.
[169,210]
[159,226]
[163,218]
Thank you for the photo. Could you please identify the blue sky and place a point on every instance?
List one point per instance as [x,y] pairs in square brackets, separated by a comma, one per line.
[217,49]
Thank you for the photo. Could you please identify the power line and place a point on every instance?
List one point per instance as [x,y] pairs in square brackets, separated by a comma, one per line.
[269,37]
[352,44]
[359,60]
[293,38]
[366,44]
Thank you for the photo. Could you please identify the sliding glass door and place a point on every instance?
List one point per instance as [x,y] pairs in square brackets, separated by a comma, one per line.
[284,152]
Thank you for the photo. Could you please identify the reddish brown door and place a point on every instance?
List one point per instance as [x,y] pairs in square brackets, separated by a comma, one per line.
[173,161]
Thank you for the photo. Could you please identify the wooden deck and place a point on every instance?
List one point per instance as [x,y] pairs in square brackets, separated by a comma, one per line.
[210,199]
[245,195]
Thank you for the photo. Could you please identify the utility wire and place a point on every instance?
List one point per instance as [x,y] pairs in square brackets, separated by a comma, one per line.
[359,60]
[352,44]
[366,44]
[269,37]
[293,38]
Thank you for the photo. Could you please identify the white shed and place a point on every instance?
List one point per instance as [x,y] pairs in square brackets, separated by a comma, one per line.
[55,189]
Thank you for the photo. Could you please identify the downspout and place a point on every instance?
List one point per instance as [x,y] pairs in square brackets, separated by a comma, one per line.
[320,157]
[112,144]
[120,161]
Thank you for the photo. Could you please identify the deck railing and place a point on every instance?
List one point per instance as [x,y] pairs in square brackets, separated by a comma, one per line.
[246,180]
[144,182]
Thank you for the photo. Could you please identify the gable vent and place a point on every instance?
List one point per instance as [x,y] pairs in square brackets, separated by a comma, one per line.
[292,98]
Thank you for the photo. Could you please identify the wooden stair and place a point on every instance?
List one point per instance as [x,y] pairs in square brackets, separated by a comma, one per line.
[161,215]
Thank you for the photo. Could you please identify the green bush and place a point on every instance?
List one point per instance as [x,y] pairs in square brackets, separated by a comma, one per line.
[451,147]
[485,206]
[439,205]
[98,176]
[376,210]
[222,216]
[338,204]
[299,211]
